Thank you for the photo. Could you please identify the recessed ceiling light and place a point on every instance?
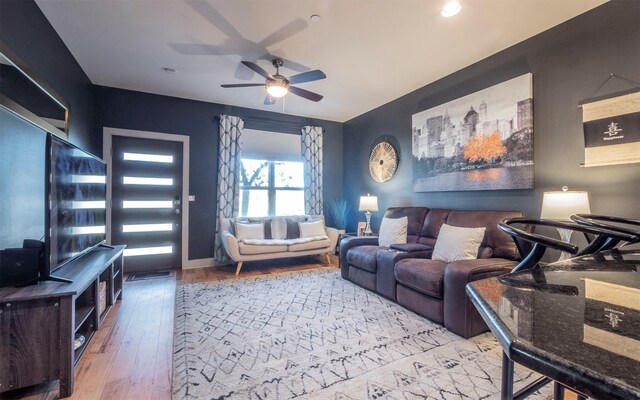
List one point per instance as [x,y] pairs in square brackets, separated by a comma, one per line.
[169,70]
[451,8]
[315,18]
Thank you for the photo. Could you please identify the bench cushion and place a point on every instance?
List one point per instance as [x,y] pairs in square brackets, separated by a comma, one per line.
[309,245]
[422,275]
[245,248]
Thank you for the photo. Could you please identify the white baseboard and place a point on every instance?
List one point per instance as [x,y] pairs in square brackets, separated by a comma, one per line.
[201,263]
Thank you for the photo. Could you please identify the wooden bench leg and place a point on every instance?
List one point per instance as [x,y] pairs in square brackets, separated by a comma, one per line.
[328,258]
[239,267]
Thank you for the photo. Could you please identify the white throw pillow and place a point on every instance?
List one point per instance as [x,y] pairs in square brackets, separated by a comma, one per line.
[393,231]
[456,243]
[279,228]
[249,231]
[312,229]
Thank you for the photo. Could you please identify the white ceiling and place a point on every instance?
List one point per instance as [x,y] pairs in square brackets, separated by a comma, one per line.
[371,51]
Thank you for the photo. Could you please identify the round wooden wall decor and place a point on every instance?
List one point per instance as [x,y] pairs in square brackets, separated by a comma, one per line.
[383,161]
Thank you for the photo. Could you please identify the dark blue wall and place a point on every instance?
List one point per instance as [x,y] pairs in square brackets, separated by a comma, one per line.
[568,63]
[27,32]
[125,109]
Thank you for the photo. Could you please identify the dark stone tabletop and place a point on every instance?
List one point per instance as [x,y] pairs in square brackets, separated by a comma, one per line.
[576,321]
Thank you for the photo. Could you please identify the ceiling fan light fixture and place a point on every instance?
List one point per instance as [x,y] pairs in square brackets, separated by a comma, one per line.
[277,89]
[451,8]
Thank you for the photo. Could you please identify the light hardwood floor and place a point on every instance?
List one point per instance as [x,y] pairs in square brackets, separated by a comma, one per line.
[130,356]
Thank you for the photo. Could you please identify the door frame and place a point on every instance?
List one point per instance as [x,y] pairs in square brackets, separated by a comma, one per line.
[107,155]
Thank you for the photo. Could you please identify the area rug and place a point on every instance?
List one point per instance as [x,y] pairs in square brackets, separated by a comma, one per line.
[314,335]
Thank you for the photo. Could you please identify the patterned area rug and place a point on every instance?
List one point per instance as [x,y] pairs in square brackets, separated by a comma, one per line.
[314,335]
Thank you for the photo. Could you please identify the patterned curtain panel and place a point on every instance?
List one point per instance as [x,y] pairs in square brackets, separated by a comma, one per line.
[312,158]
[229,146]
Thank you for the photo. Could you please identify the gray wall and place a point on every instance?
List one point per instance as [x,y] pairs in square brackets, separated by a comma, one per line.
[125,109]
[28,33]
[568,63]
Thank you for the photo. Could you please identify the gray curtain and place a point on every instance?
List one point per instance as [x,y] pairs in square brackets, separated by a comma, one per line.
[312,159]
[229,147]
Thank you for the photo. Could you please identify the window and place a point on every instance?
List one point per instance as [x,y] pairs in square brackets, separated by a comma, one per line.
[271,188]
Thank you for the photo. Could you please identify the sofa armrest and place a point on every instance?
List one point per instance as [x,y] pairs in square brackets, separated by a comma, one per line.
[332,234]
[460,315]
[349,242]
[230,244]
[386,261]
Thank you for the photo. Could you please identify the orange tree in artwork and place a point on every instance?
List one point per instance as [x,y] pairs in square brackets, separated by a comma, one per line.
[484,148]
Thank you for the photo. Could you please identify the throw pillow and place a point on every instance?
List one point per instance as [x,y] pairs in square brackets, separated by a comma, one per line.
[249,231]
[232,224]
[456,243]
[267,225]
[279,228]
[392,231]
[311,229]
[293,231]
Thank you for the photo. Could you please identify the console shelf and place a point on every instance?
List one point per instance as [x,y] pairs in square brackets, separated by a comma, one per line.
[82,315]
[39,322]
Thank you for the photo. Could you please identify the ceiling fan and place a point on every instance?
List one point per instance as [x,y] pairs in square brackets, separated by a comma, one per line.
[278,85]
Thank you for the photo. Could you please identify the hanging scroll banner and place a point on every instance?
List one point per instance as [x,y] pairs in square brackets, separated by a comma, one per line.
[612,130]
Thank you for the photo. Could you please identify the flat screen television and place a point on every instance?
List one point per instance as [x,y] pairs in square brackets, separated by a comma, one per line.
[76,194]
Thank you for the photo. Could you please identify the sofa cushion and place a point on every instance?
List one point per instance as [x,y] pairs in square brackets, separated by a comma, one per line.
[261,249]
[319,243]
[415,216]
[456,243]
[267,225]
[293,230]
[363,257]
[393,230]
[411,247]
[422,275]
[311,228]
[249,231]
[279,228]
[496,243]
[431,226]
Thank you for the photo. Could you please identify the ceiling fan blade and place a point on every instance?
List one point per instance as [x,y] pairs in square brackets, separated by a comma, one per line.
[269,100]
[258,69]
[287,31]
[305,93]
[236,85]
[308,76]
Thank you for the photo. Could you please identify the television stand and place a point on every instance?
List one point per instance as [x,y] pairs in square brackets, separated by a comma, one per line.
[44,279]
[55,279]
[40,322]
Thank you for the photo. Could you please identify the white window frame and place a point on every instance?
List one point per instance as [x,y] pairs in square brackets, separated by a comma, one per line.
[270,188]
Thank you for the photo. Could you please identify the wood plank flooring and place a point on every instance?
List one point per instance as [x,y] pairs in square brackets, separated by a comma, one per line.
[130,356]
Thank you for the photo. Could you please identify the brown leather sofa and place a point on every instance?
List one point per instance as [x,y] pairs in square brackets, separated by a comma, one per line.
[434,289]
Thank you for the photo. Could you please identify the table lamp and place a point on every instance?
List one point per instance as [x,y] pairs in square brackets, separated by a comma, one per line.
[561,206]
[368,204]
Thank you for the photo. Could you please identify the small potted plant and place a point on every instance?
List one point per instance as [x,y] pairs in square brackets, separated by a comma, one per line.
[339,212]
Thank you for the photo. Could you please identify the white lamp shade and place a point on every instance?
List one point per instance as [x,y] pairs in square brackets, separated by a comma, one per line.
[368,203]
[562,205]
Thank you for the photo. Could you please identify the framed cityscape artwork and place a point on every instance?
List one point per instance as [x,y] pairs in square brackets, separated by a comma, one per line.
[482,141]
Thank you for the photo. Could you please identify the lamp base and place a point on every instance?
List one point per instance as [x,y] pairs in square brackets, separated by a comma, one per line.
[565,236]
[367,227]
